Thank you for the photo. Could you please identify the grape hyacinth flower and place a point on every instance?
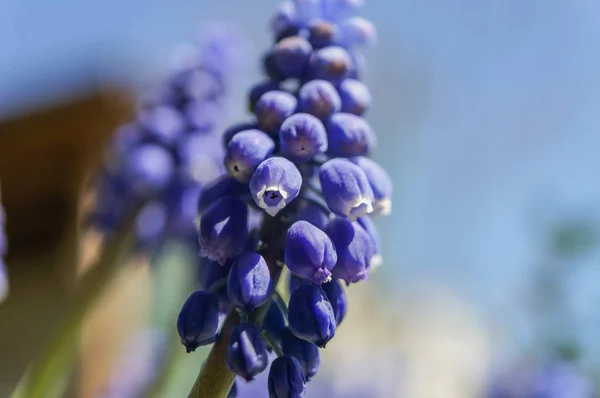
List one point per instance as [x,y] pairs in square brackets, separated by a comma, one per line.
[300,163]
[198,320]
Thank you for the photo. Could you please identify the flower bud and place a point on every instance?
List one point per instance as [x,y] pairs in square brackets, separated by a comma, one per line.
[369,226]
[332,63]
[346,189]
[354,250]
[274,184]
[223,229]
[302,136]
[322,33]
[286,379]
[309,253]
[291,56]
[211,272]
[246,354]
[355,96]
[258,90]
[249,282]
[150,168]
[310,315]
[380,183]
[246,150]
[305,352]
[319,98]
[198,320]
[349,135]
[337,298]
[357,31]
[218,188]
[272,108]
[313,214]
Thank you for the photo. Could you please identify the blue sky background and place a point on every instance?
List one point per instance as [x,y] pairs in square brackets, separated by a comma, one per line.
[487,112]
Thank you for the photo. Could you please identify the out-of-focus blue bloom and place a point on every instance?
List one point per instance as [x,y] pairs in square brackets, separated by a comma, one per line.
[380,183]
[198,320]
[323,33]
[356,31]
[332,63]
[246,353]
[336,10]
[310,315]
[301,137]
[163,123]
[150,168]
[309,253]
[369,226]
[272,108]
[286,379]
[150,224]
[291,55]
[284,18]
[249,283]
[223,229]
[354,250]
[222,186]
[355,96]
[313,214]
[274,184]
[246,150]
[319,98]
[346,189]
[349,135]
[337,298]
[305,352]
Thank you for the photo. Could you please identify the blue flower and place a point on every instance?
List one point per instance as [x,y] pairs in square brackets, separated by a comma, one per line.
[272,108]
[305,352]
[150,168]
[380,183]
[332,63]
[354,250]
[322,33]
[236,128]
[246,353]
[336,10]
[286,379]
[249,283]
[246,150]
[150,224]
[357,31]
[309,253]
[355,96]
[222,186]
[319,98]
[198,320]
[284,18]
[346,189]
[163,123]
[302,137]
[311,316]
[349,135]
[223,229]
[274,184]
[291,56]
[337,298]
[257,91]
[210,273]
[369,226]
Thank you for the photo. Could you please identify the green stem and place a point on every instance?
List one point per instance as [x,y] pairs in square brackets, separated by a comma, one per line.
[215,379]
[272,343]
[281,304]
[59,355]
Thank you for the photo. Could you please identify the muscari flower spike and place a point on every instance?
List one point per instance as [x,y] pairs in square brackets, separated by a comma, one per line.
[300,165]
[198,320]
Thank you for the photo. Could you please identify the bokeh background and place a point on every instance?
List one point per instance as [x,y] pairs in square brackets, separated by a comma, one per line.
[487,116]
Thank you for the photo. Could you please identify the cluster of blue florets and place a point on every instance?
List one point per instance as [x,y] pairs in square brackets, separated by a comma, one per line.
[302,162]
[171,149]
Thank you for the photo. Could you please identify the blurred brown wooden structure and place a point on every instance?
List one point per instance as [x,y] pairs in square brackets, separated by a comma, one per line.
[44,159]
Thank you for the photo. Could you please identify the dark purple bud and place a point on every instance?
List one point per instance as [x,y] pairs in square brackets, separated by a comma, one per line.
[236,128]
[273,108]
[355,95]
[322,33]
[371,229]
[218,188]
[246,150]
[274,184]
[284,18]
[332,63]
[162,123]
[274,323]
[249,283]
[354,250]
[349,135]
[302,136]
[357,31]
[310,315]
[291,56]
[286,379]
[319,98]
[313,214]
[246,354]
[337,298]
[223,229]
[203,116]
[346,189]
[198,320]
[150,168]
[309,253]
[380,182]
[257,91]
[305,352]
